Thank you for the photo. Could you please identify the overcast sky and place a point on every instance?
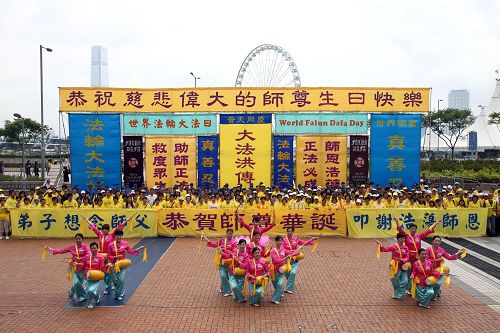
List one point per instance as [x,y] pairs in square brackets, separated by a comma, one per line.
[449,44]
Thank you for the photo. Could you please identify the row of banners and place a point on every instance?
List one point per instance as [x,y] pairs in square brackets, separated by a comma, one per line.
[204,124]
[303,99]
[356,223]
[245,155]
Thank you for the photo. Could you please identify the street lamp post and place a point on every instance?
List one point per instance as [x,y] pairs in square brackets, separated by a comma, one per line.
[42,140]
[23,167]
[195,78]
[439,126]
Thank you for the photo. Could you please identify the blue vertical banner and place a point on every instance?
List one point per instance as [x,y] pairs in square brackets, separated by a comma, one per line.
[395,149]
[283,160]
[95,150]
[208,161]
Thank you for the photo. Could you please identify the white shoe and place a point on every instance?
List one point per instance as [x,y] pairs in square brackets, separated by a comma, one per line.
[6,237]
[90,306]
[220,291]
[275,302]
[120,298]
[288,291]
[106,292]
[1,237]
[256,305]
[112,287]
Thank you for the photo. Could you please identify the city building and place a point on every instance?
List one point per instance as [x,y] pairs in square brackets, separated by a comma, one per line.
[459,99]
[99,67]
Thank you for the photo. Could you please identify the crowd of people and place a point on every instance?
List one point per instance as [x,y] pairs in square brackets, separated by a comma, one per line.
[251,262]
[340,196]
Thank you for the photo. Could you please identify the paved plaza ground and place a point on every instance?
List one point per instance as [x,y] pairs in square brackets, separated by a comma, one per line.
[341,288]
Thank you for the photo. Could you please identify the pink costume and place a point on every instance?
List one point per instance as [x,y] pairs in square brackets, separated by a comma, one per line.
[241,258]
[423,271]
[436,255]
[255,268]
[97,263]
[250,247]
[79,254]
[118,250]
[399,253]
[252,228]
[414,242]
[278,257]
[104,240]
[228,247]
[291,244]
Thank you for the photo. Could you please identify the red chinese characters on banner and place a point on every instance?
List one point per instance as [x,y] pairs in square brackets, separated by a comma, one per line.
[245,99]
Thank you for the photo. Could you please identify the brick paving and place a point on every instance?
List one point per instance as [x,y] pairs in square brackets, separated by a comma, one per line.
[341,288]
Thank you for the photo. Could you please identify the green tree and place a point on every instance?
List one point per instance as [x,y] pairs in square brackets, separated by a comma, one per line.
[12,131]
[455,122]
[495,119]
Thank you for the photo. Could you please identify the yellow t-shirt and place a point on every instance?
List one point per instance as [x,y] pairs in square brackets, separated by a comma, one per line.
[85,206]
[11,203]
[107,202]
[4,212]
[70,205]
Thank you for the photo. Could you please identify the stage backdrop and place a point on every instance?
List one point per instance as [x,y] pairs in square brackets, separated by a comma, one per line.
[61,223]
[380,223]
[170,160]
[95,149]
[395,149]
[321,160]
[245,150]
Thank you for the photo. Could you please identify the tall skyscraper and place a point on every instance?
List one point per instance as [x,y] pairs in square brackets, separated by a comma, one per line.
[99,67]
[459,99]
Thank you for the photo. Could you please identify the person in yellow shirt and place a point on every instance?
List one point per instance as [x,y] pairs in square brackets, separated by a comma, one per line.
[55,203]
[157,206]
[367,201]
[116,203]
[378,202]
[5,229]
[70,203]
[26,204]
[86,203]
[474,203]
[449,202]
[202,203]
[389,202]
[316,205]
[107,201]
[348,203]
[144,204]
[98,204]
[189,202]
[400,203]
[227,203]
[262,204]
[172,202]
[11,201]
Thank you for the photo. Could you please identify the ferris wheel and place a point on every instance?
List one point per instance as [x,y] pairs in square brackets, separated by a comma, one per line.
[268,66]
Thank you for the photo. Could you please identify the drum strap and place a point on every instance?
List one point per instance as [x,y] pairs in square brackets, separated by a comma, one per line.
[400,253]
[423,270]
